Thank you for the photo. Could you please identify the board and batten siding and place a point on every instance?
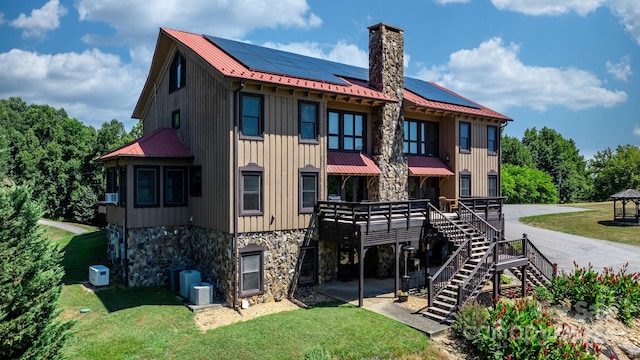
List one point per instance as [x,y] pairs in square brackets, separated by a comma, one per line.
[282,155]
[206,128]
[478,162]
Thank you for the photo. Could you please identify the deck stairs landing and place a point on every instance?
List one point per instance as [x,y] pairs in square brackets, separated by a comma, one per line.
[471,248]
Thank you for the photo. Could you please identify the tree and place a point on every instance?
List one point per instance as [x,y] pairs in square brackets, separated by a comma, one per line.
[524,185]
[613,172]
[30,282]
[561,159]
[515,153]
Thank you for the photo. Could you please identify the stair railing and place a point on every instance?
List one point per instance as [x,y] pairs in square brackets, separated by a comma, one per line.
[439,281]
[443,223]
[480,224]
[539,261]
[478,276]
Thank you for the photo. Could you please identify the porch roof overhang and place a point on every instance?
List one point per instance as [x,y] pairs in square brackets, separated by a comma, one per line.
[160,143]
[428,166]
[347,163]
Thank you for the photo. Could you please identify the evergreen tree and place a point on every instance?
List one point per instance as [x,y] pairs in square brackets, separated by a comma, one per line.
[30,282]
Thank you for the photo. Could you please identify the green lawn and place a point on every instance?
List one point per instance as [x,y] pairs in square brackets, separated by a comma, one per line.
[594,223]
[152,323]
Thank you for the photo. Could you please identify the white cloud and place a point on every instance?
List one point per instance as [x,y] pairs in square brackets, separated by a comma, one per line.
[620,70]
[444,2]
[493,75]
[636,131]
[549,7]
[92,86]
[45,19]
[629,13]
[137,21]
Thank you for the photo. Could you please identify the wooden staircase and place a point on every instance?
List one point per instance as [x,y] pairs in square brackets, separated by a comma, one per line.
[480,254]
[471,248]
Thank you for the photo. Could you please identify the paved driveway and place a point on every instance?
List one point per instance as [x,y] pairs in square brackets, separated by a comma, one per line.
[562,248]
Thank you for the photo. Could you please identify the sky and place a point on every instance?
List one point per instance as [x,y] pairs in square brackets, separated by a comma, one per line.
[569,65]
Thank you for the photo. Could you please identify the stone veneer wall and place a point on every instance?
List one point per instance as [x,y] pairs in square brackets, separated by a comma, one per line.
[151,253]
[386,73]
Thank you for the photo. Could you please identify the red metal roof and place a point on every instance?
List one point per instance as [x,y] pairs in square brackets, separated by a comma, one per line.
[351,164]
[228,66]
[482,111]
[427,166]
[162,142]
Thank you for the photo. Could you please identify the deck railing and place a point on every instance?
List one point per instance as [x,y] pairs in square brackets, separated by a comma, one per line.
[365,212]
[490,207]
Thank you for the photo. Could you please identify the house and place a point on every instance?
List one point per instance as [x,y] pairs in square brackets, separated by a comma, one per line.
[265,169]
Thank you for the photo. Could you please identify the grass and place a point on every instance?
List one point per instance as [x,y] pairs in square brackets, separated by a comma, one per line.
[152,323]
[597,222]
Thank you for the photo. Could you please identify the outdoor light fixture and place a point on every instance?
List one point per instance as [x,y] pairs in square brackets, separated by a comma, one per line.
[447,157]
[405,278]
[176,232]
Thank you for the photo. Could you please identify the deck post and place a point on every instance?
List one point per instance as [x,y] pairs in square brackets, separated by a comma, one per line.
[523,271]
[361,275]
[430,290]
[397,276]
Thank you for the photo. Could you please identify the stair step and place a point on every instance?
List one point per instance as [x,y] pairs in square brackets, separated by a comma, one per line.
[438,311]
[435,317]
[445,305]
[449,292]
[450,300]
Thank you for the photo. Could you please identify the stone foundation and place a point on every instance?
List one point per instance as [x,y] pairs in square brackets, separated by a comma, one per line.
[150,252]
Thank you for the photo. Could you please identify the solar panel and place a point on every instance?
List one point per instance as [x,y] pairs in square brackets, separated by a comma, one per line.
[285,63]
[434,93]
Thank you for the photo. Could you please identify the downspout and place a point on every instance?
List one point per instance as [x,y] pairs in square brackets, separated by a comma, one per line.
[125,252]
[236,212]
[155,104]
[502,126]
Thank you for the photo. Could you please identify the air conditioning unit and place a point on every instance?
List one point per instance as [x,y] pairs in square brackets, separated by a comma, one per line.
[174,277]
[111,198]
[98,275]
[188,277]
[201,293]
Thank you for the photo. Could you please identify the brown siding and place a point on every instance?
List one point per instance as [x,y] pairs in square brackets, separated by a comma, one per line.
[205,105]
[282,155]
[479,162]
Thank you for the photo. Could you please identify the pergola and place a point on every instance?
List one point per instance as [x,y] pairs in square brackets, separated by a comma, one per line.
[621,213]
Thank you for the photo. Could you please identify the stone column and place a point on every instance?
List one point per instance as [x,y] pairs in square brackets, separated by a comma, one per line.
[386,74]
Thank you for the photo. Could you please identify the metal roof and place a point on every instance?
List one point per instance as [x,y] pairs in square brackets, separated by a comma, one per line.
[303,72]
[428,166]
[343,163]
[627,194]
[160,143]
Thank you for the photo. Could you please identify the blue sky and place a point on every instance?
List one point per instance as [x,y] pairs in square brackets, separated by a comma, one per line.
[571,65]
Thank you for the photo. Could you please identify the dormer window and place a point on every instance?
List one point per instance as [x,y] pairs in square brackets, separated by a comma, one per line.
[178,72]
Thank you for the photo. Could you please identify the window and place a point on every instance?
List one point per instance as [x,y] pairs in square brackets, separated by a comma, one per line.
[308,189]
[195,180]
[251,114]
[346,131]
[308,113]
[122,197]
[493,185]
[414,187]
[251,190]
[308,266]
[178,72]
[175,119]
[492,139]
[175,186]
[465,184]
[251,270]
[147,189]
[421,138]
[465,136]
[112,180]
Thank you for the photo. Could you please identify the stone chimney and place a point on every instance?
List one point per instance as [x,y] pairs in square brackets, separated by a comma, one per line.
[386,74]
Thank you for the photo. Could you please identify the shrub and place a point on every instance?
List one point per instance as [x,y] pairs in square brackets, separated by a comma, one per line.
[519,329]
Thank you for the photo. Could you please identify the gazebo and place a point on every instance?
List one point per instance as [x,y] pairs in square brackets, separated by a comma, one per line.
[621,213]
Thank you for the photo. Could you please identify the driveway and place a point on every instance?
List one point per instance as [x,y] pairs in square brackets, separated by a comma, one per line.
[64,226]
[562,248]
